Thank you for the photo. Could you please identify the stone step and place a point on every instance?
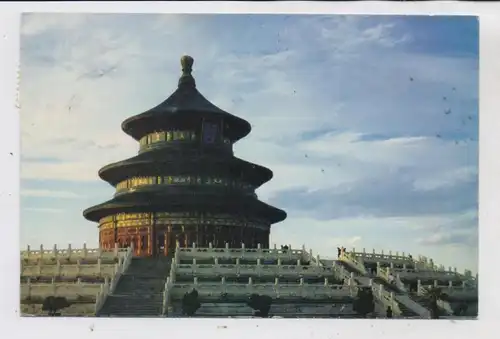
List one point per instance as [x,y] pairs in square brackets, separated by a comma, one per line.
[131,309]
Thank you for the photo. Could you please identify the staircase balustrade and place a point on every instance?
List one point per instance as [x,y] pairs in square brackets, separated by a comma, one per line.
[107,289]
[414,306]
[387,299]
[354,261]
[166,297]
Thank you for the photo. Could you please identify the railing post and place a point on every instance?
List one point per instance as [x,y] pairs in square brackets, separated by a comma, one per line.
[419,286]
[279,261]
[326,281]
[237,261]
[54,251]
[78,266]
[276,281]
[41,251]
[380,291]
[84,250]
[210,245]
[317,260]
[99,265]
[435,283]
[194,245]
[298,262]
[69,250]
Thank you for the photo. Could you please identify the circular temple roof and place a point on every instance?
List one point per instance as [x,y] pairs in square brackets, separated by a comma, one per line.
[185,100]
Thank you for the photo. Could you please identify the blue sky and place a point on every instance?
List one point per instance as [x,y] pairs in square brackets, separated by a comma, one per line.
[362,155]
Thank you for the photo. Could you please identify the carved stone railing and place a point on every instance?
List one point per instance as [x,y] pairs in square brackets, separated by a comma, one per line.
[463,291]
[68,271]
[242,253]
[415,274]
[58,289]
[166,298]
[74,253]
[276,290]
[384,273]
[254,270]
[309,257]
[381,257]
[354,261]
[120,268]
[387,299]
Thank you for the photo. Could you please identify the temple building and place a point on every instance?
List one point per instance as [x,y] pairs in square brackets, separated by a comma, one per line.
[185,185]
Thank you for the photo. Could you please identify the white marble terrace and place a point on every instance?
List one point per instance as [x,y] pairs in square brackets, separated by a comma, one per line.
[266,262]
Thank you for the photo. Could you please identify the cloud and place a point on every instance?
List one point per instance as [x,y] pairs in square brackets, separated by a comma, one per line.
[43,210]
[352,123]
[50,194]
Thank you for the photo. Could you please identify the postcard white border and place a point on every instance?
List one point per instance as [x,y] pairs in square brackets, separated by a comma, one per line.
[489,187]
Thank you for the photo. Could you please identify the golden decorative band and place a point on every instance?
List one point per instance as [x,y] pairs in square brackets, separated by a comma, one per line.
[180,180]
[167,218]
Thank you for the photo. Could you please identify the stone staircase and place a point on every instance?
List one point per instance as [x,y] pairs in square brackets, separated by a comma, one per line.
[363,280]
[405,311]
[139,292]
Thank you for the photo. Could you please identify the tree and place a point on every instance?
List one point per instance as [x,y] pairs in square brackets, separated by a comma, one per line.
[190,303]
[364,302]
[53,304]
[261,304]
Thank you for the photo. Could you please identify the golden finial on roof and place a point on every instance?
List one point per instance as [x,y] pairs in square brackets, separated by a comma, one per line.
[187,65]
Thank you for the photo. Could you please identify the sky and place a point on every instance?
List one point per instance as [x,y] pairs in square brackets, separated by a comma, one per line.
[369,123]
